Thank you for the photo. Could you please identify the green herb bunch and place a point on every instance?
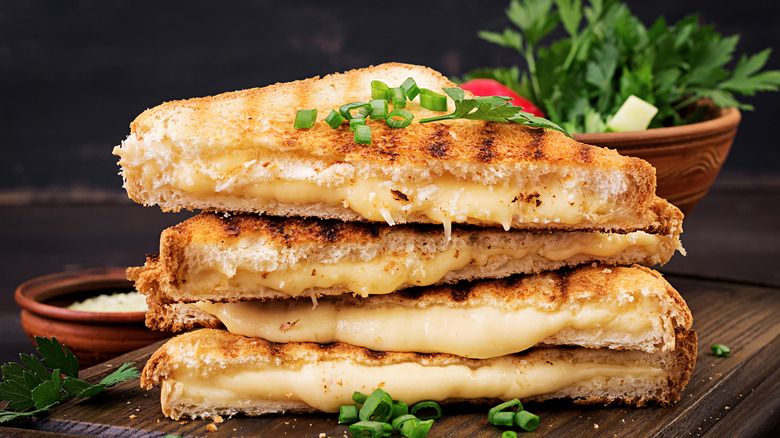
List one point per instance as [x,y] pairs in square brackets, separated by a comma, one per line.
[39,385]
[580,80]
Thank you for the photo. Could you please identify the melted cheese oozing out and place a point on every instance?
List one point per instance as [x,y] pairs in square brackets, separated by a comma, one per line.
[449,200]
[387,273]
[326,385]
[474,332]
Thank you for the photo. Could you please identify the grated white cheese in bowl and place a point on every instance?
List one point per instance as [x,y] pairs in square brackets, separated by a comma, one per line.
[115,302]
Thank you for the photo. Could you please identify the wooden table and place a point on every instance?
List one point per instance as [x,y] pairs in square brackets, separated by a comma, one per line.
[730,280]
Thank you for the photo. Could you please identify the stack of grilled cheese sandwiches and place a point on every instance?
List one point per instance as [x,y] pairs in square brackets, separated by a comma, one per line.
[457,260]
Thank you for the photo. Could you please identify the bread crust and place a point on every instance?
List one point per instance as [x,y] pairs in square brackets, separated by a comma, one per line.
[210,350]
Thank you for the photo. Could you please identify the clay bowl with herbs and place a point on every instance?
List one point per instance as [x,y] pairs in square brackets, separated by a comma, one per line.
[93,336]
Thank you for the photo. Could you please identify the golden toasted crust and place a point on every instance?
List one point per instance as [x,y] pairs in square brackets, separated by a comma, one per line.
[207,350]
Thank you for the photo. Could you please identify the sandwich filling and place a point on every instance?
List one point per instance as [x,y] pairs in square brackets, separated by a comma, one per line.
[478,332]
[325,385]
[387,272]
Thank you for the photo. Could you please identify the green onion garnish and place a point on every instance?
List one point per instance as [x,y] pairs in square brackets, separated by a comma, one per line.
[379,405]
[361,110]
[432,100]
[426,406]
[356,121]
[379,90]
[370,429]
[720,350]
[526,420]
[378,109]
[418,429]
[503,406]
[397,97]
[362,133]
[334,119]
[348,414]
[399,118]
[399,408]
[411,90]
[509,434]
[358,397]
[503,418]
[305,118]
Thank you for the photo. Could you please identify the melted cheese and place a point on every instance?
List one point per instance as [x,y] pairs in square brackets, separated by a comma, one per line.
[388,272]
[450,200]
[475,332]
[325,385]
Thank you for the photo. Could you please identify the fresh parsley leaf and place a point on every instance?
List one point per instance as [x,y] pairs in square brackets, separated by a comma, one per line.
[32,385]
[582,79]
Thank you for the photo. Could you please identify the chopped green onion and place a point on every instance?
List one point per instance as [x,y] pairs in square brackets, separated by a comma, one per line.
[359,397]
[362,134]
[397,97]
[379,90]
[399,421]
[509,434]
[334,119]
[411,90]
[417,429]
[355,122]
[526,420]
[720,350]
[399,118]
[378,109]
[432,100]
[399,408]
[503,418]
[348,414]
[361,110]
[506,405]
[305,118]
[426,406]
[379,405]
[370,429]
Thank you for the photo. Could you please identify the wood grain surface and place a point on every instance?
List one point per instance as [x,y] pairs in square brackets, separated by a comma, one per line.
[732,396]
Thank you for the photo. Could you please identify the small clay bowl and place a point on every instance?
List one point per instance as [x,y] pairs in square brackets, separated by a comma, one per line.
[94,337]
[687,158]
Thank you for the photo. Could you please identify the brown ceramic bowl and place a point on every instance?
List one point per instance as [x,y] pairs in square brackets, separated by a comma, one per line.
[686,158]
[92,336]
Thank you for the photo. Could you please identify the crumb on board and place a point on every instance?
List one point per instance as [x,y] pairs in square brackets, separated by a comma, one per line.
[211,427]
[133,416]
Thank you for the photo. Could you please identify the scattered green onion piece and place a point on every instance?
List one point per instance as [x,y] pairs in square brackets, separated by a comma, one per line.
[334,119]
[397,97]
[361,110]
[405,118]
[509,434]
[526,420]
[370,429]
[411,90]
[359,397]
[378,109]
[362,135]
[379,405]
[417,429]
[426,406]
[506,405]
[356,121]
[348,414]
[720,350]
[305,118]
[399,408]
[399,421]
[379,90]
[503,418]
[432,100]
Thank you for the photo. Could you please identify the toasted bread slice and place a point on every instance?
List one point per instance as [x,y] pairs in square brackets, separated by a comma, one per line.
[239,152]
[213,372]
[247,256]
[589,306]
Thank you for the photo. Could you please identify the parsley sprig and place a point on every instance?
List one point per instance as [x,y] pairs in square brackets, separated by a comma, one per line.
[608,54]
[36,385]
[492,109]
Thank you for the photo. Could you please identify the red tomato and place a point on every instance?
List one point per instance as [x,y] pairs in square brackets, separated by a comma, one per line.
[490,87]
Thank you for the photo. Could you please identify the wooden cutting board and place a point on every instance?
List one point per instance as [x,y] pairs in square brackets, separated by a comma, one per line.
[732,396]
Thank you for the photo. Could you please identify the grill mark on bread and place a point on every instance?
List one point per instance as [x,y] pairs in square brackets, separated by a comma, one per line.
[585,154]
[439,141]
[486,151]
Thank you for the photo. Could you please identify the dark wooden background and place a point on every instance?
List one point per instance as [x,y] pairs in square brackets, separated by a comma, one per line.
[74,74]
